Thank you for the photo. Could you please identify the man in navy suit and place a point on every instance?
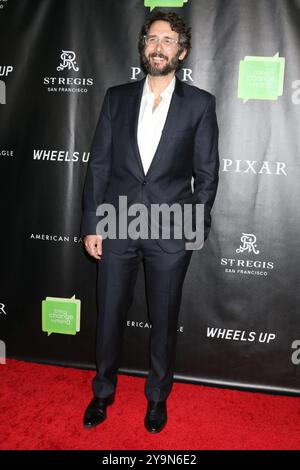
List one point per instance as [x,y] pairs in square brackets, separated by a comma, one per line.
[156,142]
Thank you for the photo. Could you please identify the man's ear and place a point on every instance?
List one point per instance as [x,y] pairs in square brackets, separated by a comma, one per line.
[183,54]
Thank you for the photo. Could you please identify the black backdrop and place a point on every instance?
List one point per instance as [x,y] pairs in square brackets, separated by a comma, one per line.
[239,323]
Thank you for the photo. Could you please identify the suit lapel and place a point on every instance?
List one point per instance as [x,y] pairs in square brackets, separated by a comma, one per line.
[133,117]
[170,125]
[168,129]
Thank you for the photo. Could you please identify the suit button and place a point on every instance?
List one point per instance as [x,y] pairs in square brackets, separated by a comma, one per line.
[144,182]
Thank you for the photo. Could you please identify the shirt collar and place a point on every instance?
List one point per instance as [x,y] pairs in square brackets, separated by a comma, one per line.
[166,92]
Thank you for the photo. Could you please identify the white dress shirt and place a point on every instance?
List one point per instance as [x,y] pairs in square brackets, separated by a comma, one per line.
[151,124]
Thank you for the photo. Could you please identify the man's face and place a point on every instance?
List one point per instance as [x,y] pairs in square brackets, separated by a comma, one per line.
[161,56]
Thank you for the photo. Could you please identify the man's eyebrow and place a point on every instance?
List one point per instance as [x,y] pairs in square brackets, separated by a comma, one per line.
[155,36]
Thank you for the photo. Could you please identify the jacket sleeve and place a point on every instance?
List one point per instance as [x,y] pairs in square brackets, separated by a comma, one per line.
[206,162]
[98,171]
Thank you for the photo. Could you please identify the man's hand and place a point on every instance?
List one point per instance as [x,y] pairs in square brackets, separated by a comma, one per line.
[93,245]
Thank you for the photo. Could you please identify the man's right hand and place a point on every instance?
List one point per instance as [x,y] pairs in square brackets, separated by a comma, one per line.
[93,245]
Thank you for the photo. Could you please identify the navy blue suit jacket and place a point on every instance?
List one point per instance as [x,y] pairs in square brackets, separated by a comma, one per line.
[188,148]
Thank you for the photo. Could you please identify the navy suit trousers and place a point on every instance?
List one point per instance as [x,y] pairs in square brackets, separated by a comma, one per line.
[164,277]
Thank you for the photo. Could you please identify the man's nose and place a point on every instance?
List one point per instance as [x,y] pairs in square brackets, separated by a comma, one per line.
[158,46]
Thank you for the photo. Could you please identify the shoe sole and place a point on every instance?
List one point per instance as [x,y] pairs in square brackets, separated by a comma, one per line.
[90,426]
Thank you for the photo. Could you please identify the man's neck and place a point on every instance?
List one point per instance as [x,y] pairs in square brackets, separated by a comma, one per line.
[159,84]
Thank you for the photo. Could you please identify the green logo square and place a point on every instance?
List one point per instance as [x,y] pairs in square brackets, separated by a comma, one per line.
[261,78]
[164,3]
[61,315]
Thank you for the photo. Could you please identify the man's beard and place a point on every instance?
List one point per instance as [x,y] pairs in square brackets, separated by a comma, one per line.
[171,66]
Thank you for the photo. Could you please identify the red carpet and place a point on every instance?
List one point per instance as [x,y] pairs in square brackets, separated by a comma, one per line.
[41,407]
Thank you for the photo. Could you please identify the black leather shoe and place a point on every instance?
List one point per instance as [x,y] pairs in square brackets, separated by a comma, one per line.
[96,411]
[156,416]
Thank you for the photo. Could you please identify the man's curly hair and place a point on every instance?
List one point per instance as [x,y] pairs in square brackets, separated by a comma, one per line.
[176,23]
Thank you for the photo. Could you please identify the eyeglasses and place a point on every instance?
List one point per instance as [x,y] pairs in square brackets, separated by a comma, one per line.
[154,40]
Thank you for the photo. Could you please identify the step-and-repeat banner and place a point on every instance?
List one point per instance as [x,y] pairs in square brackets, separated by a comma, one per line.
[240,318]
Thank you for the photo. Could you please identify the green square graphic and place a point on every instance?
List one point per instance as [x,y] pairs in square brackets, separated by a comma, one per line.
[61,315]
[164,3]
[261,78]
